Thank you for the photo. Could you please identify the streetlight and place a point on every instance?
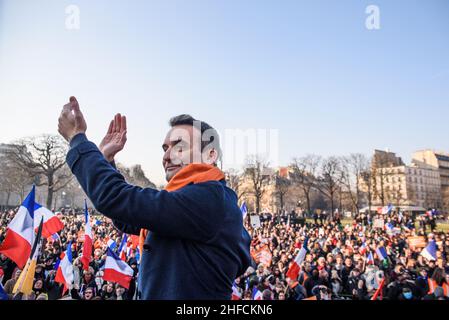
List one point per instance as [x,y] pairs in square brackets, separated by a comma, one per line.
[63,198]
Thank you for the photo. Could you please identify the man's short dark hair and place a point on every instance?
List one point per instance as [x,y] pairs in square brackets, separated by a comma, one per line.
[212,134]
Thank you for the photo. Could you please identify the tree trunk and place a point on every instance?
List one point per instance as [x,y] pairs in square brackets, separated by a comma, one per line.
[257,204]
[308,202]
[8,195]
[55,202]
[281,198]
[50,191]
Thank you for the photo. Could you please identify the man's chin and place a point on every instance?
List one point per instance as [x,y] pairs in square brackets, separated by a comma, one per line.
[170,174]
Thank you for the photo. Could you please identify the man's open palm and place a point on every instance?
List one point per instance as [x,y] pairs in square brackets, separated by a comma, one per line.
[115,138]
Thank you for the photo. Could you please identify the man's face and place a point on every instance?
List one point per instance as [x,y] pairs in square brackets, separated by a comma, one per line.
[181,146]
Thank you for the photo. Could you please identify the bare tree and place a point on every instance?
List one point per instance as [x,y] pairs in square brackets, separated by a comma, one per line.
[43,159]
[353,167]
[235,182]
[13,180]
[367,179]
[304,171]
[330,180]
[282,187]
[257,173]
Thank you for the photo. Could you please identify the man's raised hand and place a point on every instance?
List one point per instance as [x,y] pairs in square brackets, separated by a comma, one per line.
[71,121]
[115,138]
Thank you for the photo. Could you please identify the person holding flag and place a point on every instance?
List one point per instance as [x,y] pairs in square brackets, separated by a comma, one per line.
[194,227]
[88,240]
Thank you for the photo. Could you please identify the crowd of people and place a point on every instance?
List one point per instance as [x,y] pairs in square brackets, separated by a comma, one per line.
[341,261]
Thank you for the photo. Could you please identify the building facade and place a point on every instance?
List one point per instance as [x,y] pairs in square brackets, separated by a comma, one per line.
[417,184]
[440,162]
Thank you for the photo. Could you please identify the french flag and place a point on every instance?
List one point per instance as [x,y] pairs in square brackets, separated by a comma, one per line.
[122,247]
[244,210]
[87,246]
[51,225]
[294,269]
[389,227]
[54,237]
[363,248]
[236,295]
[430,252]
[381,253]
[257,295]
[370,258]
[20,233]
[116,270]
[387,209]
[64,269]
[111,244]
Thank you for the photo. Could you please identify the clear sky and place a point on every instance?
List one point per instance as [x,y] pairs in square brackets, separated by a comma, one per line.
[310,69]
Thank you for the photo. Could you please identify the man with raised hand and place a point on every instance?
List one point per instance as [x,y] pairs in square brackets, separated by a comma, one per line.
[194,243]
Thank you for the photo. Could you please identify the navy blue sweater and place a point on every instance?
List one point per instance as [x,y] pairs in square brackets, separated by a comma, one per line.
[197,244]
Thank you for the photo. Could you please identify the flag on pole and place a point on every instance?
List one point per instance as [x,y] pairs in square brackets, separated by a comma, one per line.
[53,237]
[88,240]
[52,224]
[64,271]
[387,209]
[236,295]
[381,253]
[20,233]
[430,252]
[244,210]
[122,248]
[25,282]
[111,244]
[363,248]
[256,294]
[294,269]
[370,258]
[116,270]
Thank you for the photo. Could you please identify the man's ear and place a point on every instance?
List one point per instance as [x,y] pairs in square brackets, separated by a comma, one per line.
[210,156]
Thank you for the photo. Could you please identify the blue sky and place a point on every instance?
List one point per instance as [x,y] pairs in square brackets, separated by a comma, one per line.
[309,69]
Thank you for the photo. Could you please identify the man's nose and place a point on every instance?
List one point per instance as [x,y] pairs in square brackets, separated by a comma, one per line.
[166,157]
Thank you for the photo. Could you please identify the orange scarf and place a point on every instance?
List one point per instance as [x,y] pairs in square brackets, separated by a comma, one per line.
[194,172]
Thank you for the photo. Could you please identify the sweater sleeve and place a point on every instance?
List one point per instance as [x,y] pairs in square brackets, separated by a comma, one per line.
[194,212]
